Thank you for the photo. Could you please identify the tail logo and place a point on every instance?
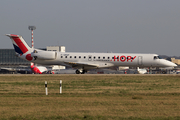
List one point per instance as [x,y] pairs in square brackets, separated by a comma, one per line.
[18,44]
[28,57]
[17,49]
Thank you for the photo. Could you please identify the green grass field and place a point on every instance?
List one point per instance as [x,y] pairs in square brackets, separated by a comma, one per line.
[90,97]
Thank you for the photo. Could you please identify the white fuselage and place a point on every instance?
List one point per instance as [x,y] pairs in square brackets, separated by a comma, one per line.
[104,60]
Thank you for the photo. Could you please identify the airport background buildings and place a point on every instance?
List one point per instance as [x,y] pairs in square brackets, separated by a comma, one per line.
[9,58]
[176,61]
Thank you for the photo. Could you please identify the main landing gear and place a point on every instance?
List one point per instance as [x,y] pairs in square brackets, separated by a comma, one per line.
[80,71]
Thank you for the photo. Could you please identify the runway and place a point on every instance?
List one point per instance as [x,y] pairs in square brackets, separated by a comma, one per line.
[89,75]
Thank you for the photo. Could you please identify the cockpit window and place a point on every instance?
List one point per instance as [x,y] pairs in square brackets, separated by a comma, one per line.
[35,51]
[157,57]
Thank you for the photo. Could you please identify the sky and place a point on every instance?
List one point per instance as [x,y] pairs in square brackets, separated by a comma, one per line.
[118,26]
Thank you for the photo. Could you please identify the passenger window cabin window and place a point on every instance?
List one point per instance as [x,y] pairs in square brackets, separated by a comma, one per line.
[94,57]
[79,56]
[84,57]
[61,56]
[103,57]
[112,57]
[70,56]
[99,57]
[108,57]
[74,56]
[66,57]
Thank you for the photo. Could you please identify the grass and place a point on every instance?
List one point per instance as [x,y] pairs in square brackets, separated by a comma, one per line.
[87,97]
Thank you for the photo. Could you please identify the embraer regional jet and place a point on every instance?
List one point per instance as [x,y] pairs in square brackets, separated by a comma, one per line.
[85,61]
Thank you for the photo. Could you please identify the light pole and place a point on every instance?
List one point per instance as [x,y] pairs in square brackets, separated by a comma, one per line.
[32,28]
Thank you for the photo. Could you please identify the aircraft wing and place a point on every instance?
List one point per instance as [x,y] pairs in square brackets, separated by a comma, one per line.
[82,65]
[8,69]
[11,69]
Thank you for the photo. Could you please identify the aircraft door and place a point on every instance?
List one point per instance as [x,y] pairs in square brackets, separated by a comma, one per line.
[140,60]
[55,55]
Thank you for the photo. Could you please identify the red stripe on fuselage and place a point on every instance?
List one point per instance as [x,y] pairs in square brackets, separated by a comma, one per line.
[20,44]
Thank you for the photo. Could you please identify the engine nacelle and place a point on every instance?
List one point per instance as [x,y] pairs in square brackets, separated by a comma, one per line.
[45,55]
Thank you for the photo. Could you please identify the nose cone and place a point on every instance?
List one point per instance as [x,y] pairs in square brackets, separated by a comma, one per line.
[168,63]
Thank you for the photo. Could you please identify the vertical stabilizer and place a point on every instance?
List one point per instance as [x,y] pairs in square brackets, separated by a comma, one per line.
[20,46]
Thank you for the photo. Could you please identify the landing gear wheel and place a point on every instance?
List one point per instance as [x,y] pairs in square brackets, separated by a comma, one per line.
[83,71]
[80,71]
[77,72]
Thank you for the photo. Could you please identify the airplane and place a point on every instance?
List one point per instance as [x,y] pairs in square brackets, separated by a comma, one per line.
[141,71]
[38,69]
[26,69]
[83,62]
[12,70]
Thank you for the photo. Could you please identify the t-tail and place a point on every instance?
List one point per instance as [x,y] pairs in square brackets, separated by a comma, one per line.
[21,47]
